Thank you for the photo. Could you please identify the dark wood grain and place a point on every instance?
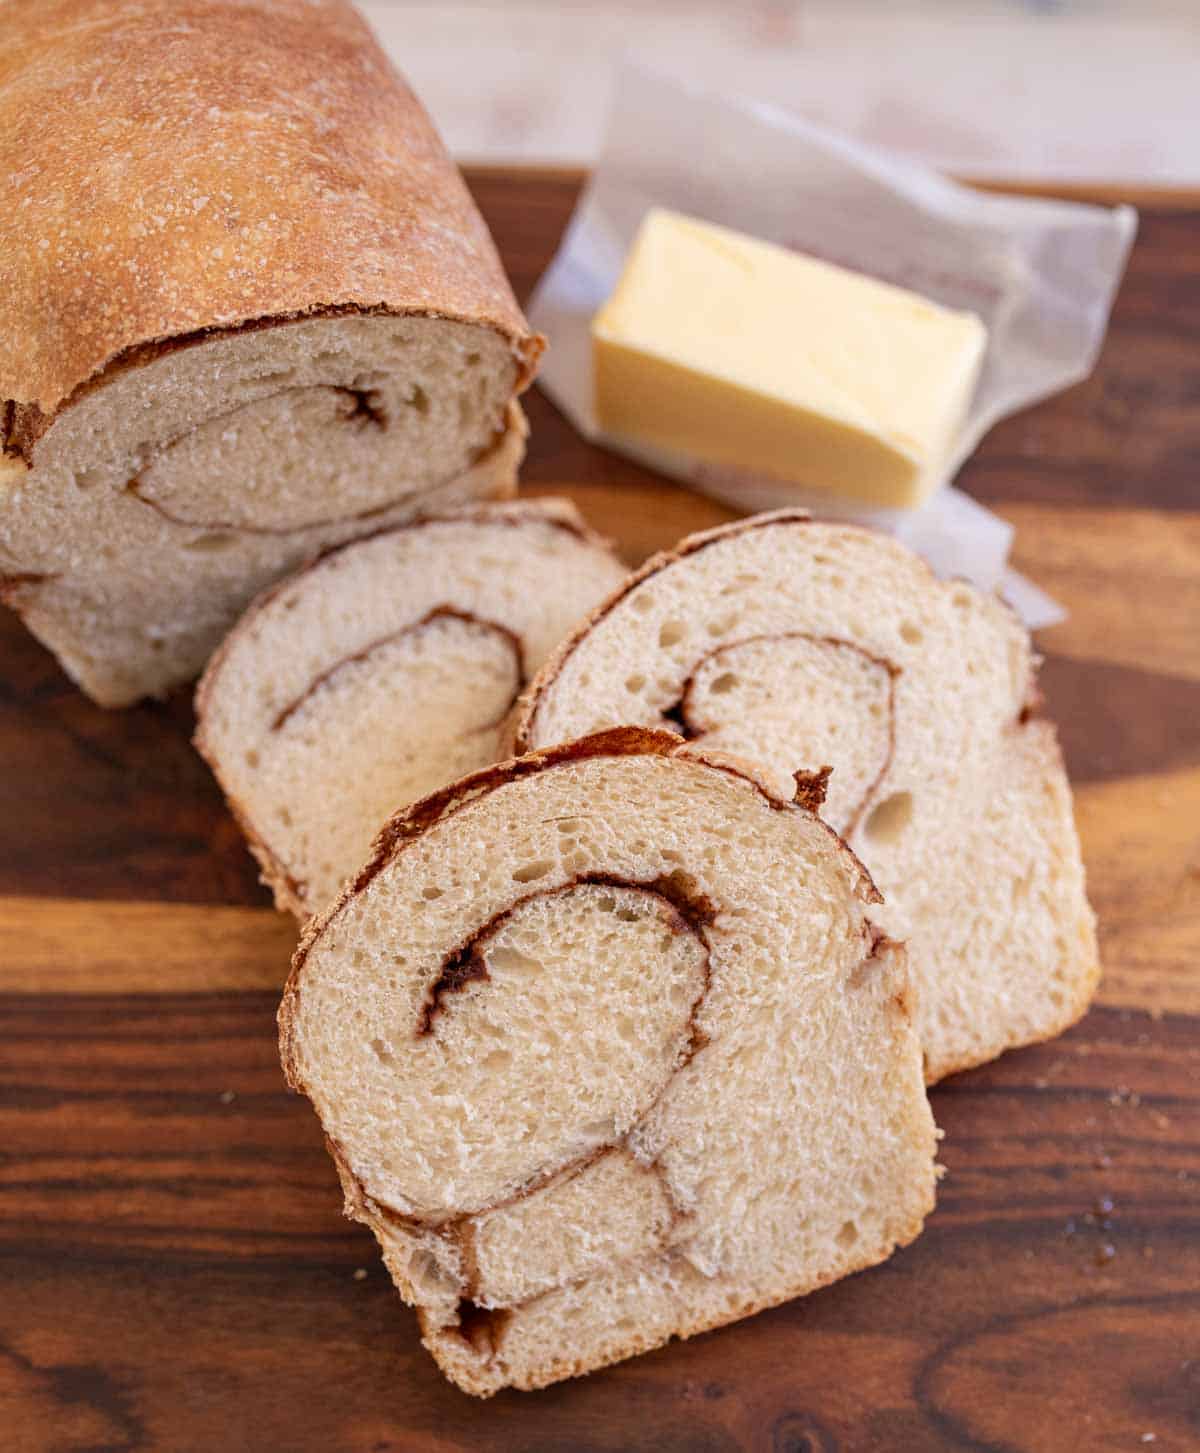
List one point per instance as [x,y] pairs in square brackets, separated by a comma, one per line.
[174,1270]
[159,1180]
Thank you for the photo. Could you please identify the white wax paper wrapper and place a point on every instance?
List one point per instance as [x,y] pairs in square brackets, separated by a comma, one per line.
[1041,274]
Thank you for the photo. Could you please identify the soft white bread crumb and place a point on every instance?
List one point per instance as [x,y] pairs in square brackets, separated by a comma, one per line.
[168,495]
[608,1051]
[801,645]
[383,671]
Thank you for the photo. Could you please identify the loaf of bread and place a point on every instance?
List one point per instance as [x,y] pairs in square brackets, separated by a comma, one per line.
[383,671]
[803,645]
[248,309]
[607,1050]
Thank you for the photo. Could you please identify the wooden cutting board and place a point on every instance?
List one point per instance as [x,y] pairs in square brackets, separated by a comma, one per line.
[175,1271]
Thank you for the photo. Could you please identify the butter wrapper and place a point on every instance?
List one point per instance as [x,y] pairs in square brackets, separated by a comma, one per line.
[1041,274]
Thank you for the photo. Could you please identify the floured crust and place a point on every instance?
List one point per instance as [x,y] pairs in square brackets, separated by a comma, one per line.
[289,172]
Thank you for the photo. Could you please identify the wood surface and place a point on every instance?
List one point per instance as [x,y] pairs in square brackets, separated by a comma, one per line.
[174,1270]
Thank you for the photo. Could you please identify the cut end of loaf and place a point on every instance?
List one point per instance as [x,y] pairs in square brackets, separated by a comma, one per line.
[230,462]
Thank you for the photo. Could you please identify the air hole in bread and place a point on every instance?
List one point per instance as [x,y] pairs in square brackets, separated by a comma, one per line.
[739,583]
[252,758]
[426,1275]
[723,683]
[509,960]
[911,633]
[382,1052]
[498,1060]
[87,478]
[634,683]
[418,399]
[848,1235]
[284,816]
[890,818]
[430,892]
[642,602]
[671,633]
[279,379]
[722,625]
[472,360]
[208,544]
[480,1328]
[537,869]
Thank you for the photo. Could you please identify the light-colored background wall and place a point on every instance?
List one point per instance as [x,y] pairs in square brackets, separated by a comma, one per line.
[1062,89]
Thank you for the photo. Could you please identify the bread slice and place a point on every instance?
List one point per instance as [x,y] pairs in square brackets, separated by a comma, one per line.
[607,1051]
[382,671]
[278,323]
[801,645]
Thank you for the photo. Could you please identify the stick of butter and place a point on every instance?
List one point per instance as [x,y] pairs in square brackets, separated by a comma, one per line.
[720,347]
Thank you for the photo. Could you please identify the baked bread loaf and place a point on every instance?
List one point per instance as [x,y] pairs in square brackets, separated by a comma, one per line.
[260,317]
[382,671]
[607,1051]
[802,645]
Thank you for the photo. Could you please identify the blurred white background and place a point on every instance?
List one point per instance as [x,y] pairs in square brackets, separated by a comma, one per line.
[1028,89]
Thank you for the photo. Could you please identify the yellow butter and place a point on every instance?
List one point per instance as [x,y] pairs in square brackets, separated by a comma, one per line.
[720,347]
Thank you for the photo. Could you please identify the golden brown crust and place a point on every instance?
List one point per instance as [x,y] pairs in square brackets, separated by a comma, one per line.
[205,167]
